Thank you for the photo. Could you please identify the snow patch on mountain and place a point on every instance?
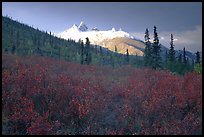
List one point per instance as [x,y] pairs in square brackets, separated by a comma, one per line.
[95,29]
[95,36]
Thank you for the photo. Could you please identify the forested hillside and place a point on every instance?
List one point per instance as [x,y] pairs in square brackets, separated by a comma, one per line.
[22,40]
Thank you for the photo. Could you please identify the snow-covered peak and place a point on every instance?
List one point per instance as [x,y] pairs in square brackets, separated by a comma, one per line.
[73,28]
[113,29]
[95,36]
[82,27]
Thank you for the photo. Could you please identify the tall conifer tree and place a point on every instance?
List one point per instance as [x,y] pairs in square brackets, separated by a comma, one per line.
[156,59]
[147,52]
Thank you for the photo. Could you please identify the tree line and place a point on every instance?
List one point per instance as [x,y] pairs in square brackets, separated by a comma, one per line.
[179,64]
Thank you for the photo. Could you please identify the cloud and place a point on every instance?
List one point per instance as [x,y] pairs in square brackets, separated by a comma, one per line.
[190,39]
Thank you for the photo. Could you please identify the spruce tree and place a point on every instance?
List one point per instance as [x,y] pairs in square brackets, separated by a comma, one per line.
[171,55]
[127,56]
[88,57]
[184,55]
[147,52]
[171,50]
[116,49]
[198,65]
[50,39]
[101,52]
[179,65]
[197,57]
[82,52]
[156,59]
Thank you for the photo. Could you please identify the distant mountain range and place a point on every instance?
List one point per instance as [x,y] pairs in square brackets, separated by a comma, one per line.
[112,38]
[95,35]
[107,39]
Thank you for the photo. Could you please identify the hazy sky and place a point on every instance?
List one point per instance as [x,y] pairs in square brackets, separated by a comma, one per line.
[183,19]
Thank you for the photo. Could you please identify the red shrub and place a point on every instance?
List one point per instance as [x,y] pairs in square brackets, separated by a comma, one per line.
[44,96]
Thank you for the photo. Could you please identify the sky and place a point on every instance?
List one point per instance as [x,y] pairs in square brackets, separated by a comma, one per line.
[182,19]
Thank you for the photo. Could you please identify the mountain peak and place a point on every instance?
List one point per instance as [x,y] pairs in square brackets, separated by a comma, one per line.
[74,27]
[95,35]
[82,27]
[113,29]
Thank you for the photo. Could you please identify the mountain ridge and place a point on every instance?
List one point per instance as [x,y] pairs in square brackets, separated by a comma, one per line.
[103,38]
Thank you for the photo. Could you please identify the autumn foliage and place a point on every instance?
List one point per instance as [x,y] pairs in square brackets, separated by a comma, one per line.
[44,96]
